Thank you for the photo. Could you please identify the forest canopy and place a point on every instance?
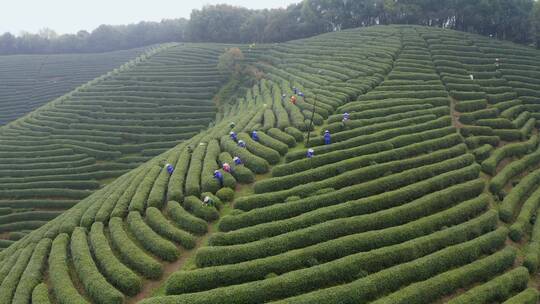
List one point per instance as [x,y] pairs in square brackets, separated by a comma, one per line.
[514,20]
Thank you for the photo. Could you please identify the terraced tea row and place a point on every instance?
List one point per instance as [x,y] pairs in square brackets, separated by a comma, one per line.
[29,81]
[67,149]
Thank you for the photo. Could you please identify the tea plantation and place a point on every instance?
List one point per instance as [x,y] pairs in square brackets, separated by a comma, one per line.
[29,81]
[428,191]
[65,150]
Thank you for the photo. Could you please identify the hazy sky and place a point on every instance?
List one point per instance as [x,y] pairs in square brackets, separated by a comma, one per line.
[69,16]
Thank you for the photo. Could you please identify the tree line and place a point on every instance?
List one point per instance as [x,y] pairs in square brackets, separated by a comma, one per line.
[514,20]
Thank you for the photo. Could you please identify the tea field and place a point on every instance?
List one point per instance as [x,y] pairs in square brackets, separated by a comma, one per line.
[427,191]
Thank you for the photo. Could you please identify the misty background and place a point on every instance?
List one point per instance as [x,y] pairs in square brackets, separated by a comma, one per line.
[63,26]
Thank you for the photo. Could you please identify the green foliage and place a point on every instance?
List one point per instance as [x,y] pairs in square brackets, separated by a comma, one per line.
[197,208]
[62,286]
[497,289]
[185,220]
[509,150]
[40,294]
[117,273]
[94,283]
[225,194]
[130,254]
[528,296]
[149,239]
[33,273]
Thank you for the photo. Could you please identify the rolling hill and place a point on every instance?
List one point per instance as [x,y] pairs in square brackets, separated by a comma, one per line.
[65,150]
[427,193]
[29,81]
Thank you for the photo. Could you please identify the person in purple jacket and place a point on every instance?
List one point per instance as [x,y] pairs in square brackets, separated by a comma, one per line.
[327,138]
[170,168]
[310,153]
[255,136]
[233,136]
[219,176]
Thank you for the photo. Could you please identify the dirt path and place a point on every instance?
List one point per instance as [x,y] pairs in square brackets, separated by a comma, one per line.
[149,286]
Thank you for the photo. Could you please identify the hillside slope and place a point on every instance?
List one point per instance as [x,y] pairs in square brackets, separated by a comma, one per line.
[29,81]
[403,206]
[65,150]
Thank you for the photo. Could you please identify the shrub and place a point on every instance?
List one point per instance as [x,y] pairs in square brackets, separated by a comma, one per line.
[496,123]
[357,208]
[513,111]
[121,207]
[512,200]
[149,239]
[241,173]
[138,201]
[193,178]
[130,253]
[176,182]
[471,105]
[117,273]
[62,286]
[333,169]
[509,134]
[474,142]
[267,153]
[185,220]
[225,194]
[9,283]
[528,296]
[447,282]
[363,289]
[33,273]
[516,149]
[208,182]
[283,137]
[467,131]
[513,169]
[94,283]
[471,117]
[40,295]
[161,225]
[499,288]
[355,132]
[297,134]
[255,163]
[197,208]
[376,142]
[272,143]
[523,220]
[522,118]
[351,177]
[483,152]
[360,249]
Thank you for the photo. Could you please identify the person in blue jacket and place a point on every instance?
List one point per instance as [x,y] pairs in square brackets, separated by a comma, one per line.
[237,161]
[241,144]
[233,136]
[255,136]
[170,168]
[310,153]
[327,139]
[345,116]
[219,176]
